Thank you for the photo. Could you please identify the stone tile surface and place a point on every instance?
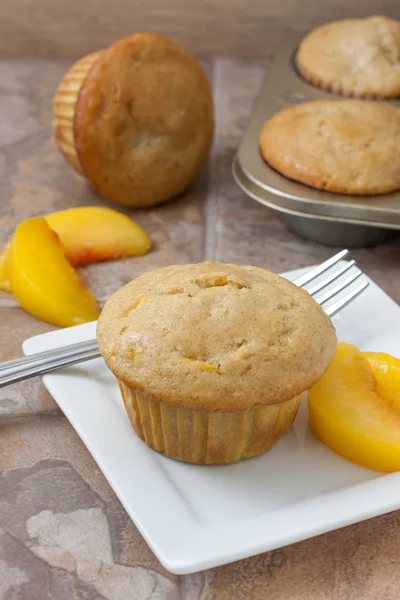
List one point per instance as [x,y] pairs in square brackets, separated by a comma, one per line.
[63,533]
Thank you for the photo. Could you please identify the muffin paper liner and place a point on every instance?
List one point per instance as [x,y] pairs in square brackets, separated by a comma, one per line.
[64,105]
[203,437]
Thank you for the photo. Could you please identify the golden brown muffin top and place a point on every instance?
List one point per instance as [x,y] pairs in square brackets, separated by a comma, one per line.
[143,123]
[354,56]
[348,146]
[215,337]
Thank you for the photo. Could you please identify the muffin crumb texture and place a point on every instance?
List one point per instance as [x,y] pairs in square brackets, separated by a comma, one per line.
[354,57]
[347,147]
[215,337]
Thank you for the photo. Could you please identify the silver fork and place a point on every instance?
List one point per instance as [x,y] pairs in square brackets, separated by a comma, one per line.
[19,369]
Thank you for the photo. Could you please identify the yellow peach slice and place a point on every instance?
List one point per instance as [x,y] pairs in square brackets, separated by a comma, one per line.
[348,414]
[386,370]
[42,279]
[4,281]
[91,234]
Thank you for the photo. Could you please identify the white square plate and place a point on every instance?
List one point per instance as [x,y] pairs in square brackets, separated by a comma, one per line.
[196,517]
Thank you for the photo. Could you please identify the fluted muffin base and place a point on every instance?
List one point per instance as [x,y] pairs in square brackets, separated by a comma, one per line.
[207,438]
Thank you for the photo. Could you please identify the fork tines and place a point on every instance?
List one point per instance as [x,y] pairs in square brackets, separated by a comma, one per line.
[332,275]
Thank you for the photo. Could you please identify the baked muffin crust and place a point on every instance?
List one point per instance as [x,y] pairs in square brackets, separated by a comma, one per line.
[143,120]
[348,146]
[358,57]
[215,337]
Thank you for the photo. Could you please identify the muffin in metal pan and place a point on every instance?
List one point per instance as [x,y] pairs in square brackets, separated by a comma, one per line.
[353,57]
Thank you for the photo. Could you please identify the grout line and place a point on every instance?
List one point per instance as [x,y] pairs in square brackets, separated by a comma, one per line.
[27,416]
[211,203]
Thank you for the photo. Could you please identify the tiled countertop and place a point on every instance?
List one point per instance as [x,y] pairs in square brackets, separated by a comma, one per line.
[63,533]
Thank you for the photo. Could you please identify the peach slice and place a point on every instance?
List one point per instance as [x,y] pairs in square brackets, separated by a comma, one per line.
[386,370]
[353,409]
[92,233]
[42,279]
[4,282]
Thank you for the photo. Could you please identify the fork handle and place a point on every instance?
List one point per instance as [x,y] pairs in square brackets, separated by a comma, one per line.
[27,367]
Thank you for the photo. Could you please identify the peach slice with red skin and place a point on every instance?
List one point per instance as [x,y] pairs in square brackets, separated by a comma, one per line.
[354,409]
[43,281]
[91,234]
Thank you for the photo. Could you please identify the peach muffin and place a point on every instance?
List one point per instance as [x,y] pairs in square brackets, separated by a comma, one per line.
[136,119]
[354,57]
[343,146]
[212,359]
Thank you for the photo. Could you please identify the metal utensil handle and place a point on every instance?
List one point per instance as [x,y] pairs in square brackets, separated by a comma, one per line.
[25,369]
[41,357]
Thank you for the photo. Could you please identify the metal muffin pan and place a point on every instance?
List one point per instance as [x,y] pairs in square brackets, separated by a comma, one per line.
[328,218]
